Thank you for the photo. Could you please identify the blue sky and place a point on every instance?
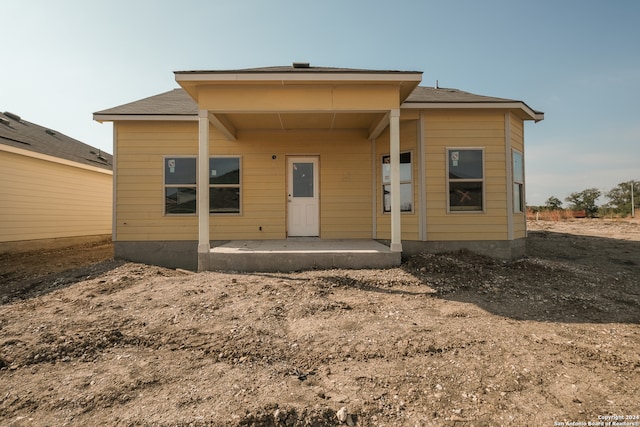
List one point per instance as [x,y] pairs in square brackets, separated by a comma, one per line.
[576,60]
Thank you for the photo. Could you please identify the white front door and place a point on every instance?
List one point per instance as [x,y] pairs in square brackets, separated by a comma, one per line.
[303,197]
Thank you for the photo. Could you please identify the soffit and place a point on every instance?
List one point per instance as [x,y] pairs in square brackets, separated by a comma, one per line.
[306,121]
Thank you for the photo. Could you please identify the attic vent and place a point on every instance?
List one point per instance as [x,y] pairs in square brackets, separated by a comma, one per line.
[300,65]
[5,121]
[12,116]
[50,132]
[99,155]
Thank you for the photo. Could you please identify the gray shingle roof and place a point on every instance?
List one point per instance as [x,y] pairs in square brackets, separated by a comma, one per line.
[16,132]
[296,69]
[431,94]
[175,102]
[178,102]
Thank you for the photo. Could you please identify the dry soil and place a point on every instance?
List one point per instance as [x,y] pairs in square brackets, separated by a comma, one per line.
[444,340]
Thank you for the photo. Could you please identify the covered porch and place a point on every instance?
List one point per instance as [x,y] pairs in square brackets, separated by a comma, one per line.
[293,254]
[298,99]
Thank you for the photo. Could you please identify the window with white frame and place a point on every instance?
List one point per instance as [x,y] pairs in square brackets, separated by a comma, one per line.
[406,183]
[224,184]
[180,185]
[518,182]
[465,168]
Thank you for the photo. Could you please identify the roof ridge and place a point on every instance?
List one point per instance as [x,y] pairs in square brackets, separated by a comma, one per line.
[294,69]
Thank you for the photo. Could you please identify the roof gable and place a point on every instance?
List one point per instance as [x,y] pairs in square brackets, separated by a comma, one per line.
[19,133]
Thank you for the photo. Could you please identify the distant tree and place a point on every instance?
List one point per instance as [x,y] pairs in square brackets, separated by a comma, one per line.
[584,201]
[553,204]
[620,197]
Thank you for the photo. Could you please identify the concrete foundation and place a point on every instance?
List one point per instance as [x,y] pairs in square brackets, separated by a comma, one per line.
[295,254]
[499,249]
[170,254]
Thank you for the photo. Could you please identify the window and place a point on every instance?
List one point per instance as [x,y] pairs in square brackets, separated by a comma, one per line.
[466,180]
[179,185]
[406,185]
[518,182]
[224,185]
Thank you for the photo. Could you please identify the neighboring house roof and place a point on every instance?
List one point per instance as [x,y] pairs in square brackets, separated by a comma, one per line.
[19,133]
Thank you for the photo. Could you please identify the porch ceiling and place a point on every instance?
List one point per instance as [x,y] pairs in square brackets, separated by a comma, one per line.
[295,98]
[301,121]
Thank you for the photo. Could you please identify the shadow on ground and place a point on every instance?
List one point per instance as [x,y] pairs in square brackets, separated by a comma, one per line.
[18,287]
[564,278]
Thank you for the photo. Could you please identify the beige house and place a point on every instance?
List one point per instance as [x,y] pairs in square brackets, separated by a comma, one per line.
[281,153]
[54,190]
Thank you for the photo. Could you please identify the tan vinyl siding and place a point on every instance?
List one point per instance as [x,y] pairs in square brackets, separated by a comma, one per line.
[44,199]
[465,129]
[345,177]
[345,194]
[140,183]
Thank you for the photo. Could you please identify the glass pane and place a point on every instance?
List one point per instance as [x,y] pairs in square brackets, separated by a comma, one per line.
[180,200]
[465,164]
[406,198]
[386,198]
[302,180]
[518,167]
[224,170]
[386,169]
[518,200]
[224,200]
[180,170]
[405,168]
[465,196]
[405,171]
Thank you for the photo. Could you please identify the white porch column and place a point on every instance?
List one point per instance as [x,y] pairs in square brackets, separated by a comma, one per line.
[394,137]
[203,182]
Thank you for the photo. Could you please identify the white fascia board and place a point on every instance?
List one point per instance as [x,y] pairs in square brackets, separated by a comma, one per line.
[475,105]
[300,77]
[143,117]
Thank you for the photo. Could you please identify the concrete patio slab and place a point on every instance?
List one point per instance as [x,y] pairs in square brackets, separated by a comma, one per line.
[295,254]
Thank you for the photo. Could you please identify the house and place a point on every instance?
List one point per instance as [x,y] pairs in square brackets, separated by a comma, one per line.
[55,190]
[279,153]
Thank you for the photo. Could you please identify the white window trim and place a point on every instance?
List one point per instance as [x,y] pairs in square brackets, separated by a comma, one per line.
[449,180]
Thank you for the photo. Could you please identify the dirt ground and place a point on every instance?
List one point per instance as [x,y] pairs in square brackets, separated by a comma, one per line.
[444,340]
